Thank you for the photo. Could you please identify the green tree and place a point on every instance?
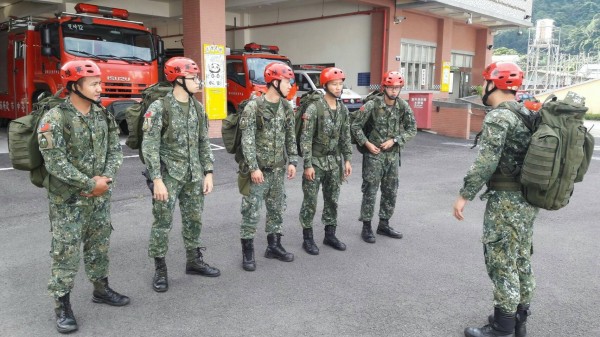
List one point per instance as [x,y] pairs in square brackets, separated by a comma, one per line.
[505,51]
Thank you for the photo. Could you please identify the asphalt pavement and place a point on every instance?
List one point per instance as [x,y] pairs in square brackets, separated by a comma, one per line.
[431,283]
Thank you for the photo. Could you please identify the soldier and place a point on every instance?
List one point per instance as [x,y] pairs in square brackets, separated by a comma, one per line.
[391,123]
[179,161]
[268,133]
[79,141]
[325,141]
[508,219]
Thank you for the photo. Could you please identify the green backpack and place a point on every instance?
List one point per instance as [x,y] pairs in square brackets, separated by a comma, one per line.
[23,146]
[135,114]
[230,129]
[559,153]
[313,96]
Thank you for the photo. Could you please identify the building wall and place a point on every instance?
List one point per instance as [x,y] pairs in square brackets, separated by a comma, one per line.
[588,89]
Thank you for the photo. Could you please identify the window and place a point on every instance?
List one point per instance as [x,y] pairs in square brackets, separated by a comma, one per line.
[235,72]
[19,50]
[462,60]
[417,65]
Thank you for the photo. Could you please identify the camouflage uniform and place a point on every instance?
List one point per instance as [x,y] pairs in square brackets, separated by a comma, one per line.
[266,138]
[75,148]
[325,144]
[508,219]
[396,122]
[183,149]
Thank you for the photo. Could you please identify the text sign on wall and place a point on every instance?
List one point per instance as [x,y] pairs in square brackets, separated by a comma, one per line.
[214,81]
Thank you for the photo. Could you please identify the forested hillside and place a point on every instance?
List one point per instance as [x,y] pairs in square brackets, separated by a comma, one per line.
[579,21]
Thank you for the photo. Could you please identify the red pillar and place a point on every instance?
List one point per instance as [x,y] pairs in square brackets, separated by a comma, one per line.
[483,55]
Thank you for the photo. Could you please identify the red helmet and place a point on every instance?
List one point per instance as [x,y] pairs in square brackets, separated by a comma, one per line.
[505,75]
[392,78]
[330,74]
[277,71]
[72,71]
[179,67]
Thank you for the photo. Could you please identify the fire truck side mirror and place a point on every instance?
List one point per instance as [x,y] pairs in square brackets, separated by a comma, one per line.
[252,74]
[160,50]
[46,47]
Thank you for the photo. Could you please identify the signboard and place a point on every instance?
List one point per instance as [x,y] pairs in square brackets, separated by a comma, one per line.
[446,80]
[215,89]
[421,104]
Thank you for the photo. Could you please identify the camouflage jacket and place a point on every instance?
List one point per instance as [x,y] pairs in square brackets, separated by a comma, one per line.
[267,141]
[91,148]
[182,146]
[397,122]
[327,130]
[502,145]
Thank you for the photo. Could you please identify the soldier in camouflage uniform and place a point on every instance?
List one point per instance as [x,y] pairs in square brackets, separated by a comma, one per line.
[508,219]
[177,153]
[325,141]
[269,147]
[79,141]
[389,123]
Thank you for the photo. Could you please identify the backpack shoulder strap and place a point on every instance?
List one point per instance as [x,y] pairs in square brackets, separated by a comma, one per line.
[167,112]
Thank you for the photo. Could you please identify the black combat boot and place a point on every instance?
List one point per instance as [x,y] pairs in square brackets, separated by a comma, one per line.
[309,244]
[502,326]
[196,265]
[521,320]
[331,240]
[275,250]
[65,320]
[367,233]
[104,294]
[248,262]
[384,229]
[160,282]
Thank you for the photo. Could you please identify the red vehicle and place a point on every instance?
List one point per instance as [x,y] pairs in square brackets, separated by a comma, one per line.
[245,73]
[35,48]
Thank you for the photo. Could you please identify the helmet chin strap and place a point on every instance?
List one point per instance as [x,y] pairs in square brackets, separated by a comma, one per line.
[487,93]
[277,88]
[78,93]
[337,98]
[184,86]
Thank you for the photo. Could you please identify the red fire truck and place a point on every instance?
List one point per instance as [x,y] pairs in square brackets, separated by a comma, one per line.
[245,73]
[32,50]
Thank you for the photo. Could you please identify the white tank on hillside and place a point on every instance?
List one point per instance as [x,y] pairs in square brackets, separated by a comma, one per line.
[543,31]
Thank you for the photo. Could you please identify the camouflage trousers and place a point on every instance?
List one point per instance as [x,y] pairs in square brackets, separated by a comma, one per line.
[507,246]
[379,170]
[272,191]
[191,204]
[331,181]
[72,226]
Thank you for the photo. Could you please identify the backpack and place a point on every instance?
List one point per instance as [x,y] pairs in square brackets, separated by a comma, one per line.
[313,96]
[23,146]
[134,114]
[559,153]
[230,129]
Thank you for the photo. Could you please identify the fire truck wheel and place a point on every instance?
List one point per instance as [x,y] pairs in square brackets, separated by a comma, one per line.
[123,127]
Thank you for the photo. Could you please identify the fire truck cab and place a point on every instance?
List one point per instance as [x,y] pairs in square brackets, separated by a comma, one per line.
[245,73]
[32,51]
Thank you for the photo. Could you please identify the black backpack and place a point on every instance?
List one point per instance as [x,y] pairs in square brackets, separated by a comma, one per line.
[313,96]
[230,129]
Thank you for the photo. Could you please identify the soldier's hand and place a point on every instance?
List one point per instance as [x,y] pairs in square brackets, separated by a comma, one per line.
[257,176]
[160,190]
[387,144]
[347,169]
[100,188]
[459,206]
[309,173]
[291,171]
[208,183]
[372,148]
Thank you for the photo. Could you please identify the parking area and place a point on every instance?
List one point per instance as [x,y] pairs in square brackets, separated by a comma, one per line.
[431,283]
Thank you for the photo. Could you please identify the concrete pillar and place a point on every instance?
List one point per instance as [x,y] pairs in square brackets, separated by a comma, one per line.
[443,52]
[203,22]
[483,55]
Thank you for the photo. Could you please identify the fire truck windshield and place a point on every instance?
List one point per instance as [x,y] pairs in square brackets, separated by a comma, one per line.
[258,64]
[108,42]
